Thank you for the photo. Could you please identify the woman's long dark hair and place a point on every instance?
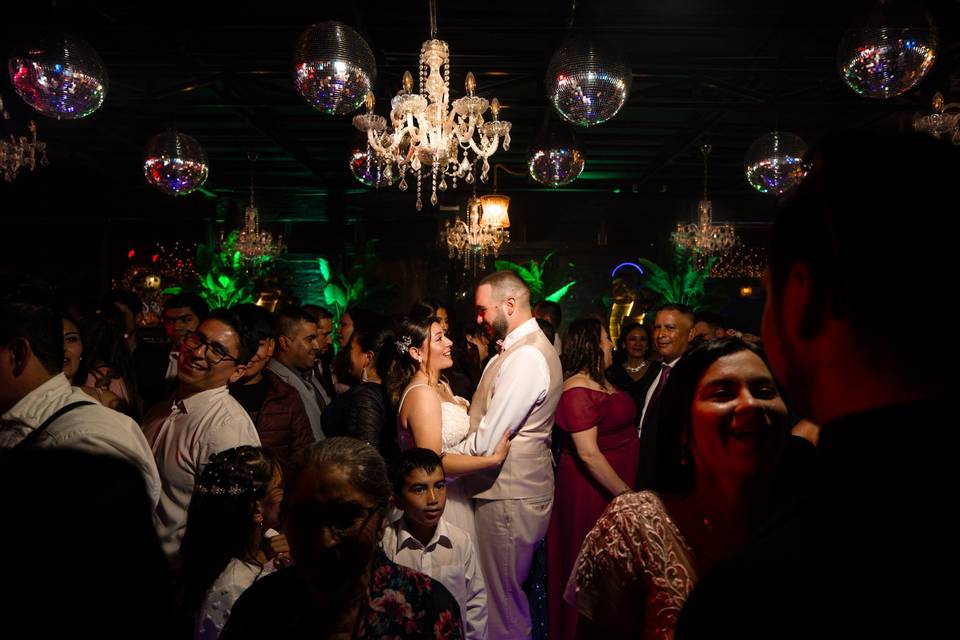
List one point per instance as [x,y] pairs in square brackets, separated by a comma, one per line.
[220,521]
[675,468]
[582,350]
[103,344]
[402,365]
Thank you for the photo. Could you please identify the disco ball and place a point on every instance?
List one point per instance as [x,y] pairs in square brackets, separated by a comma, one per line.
[883,63]
[367,169]
[63,77]
[556,159]
[888,51]
[333,68]
[587,81]
[774,162]
[175,163]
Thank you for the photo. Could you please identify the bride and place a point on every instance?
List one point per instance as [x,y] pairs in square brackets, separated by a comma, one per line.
[431,416]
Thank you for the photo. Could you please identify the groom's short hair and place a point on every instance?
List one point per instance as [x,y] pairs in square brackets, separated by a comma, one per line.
[506,284]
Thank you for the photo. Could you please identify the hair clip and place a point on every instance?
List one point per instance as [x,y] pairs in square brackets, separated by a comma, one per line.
[403,344]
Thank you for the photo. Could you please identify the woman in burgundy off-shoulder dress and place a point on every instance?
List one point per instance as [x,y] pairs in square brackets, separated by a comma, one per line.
[599,459]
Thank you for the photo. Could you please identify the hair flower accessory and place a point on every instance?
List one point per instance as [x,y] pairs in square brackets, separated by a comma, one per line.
[403,344]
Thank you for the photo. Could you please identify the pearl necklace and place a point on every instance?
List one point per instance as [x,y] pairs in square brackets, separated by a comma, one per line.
[637,368]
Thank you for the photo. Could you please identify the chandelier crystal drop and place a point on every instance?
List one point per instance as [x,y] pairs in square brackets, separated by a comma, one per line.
[21,152]
[62,77]
[944,121]
[475,237]
[704,237]
[431,138]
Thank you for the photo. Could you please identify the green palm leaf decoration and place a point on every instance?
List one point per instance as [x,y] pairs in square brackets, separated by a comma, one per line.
[686,285]
[532,275]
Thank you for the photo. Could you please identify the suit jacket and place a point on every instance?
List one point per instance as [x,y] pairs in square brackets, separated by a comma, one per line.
[282,422]
[307,395]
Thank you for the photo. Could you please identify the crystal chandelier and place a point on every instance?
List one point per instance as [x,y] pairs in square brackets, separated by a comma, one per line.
[20,152]
[255,245]
[431,137]
[474,238]
[705,237]
[945,120]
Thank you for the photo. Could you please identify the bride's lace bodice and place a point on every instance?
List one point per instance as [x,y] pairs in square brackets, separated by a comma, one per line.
[456,422]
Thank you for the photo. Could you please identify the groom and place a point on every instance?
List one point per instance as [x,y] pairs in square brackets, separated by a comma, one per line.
[518,393]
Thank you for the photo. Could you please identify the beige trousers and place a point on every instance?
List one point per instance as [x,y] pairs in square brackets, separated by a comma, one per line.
[508,532]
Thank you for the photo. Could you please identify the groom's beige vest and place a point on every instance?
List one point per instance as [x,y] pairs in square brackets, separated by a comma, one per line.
[528,469]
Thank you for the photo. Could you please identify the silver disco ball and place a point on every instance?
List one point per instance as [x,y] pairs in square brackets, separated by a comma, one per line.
[63,77]
[556,158]
[333,68]
[175,163]
[887,52]
[365,166]
[775,162]
[587,81]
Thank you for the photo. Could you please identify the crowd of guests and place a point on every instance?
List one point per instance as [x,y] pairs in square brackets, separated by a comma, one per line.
[690,482]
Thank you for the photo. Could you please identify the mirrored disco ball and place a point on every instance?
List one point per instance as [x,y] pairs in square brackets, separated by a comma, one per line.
[175,163]
[774,162]
[587,80]
[556,158]
[367,169]
[885,62]
[62,77]
[333,68]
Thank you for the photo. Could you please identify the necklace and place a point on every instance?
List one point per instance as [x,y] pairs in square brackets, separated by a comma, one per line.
[637,368]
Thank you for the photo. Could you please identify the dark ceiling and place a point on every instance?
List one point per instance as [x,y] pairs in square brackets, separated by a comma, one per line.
[716,71]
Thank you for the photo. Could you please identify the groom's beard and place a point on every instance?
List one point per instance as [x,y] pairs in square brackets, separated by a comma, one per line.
[499,327]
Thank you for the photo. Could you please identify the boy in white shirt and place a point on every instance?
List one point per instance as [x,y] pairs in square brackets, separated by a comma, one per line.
[424,541]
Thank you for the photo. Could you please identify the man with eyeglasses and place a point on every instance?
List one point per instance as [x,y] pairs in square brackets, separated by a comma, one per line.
[201,418]
[156,365]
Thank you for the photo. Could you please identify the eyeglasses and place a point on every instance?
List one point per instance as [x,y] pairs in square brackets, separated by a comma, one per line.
[340,518]
[214,353]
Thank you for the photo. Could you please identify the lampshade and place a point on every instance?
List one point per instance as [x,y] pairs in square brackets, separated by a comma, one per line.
[495,210]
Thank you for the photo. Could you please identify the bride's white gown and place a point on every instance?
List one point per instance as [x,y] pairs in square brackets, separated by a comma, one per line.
[455,427]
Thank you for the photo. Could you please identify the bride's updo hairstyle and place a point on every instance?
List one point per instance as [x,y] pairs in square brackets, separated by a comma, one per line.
[412,332]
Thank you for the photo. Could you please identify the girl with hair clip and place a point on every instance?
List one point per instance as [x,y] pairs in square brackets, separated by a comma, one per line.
[430,416]
[235,504]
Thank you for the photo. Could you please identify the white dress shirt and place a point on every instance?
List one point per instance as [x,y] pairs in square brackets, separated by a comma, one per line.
[652,388]
[92,428]
[450,559]
[521,385]
[184,434]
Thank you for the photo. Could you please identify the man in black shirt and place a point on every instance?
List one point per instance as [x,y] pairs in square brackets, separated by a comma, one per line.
[865,555]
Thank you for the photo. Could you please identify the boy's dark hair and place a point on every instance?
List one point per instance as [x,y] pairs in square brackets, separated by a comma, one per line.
[411,460]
